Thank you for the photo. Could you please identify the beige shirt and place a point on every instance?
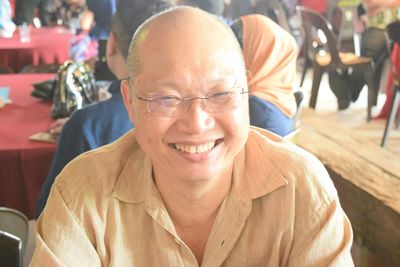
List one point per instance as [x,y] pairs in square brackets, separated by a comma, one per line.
[282,210]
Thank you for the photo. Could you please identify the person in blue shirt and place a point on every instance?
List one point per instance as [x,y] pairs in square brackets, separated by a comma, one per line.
[103,11]
[102,123]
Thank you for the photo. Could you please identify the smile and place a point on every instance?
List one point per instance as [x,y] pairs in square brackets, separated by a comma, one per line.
[195,149]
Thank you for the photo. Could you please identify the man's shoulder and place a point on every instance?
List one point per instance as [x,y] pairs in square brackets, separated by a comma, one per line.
[93,174]
[281,152]
[305,174]
[97,111]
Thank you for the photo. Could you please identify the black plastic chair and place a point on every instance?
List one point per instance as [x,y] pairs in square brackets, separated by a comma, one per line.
[275,11]
[333,59]
[393,32]
[14,222]
[10,250]
[308,49]
[5,69]
[299,96]
[41,68]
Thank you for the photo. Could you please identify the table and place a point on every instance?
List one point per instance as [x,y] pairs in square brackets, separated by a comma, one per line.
[367,179]
[23,164]
[48,45]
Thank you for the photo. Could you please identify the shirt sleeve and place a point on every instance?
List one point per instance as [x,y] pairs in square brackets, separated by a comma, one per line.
[324,238]
[60,239]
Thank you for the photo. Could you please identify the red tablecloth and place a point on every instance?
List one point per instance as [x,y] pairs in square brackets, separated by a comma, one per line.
[23,164]
[47,45]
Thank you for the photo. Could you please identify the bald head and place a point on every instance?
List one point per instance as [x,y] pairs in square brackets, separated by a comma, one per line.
[182,29]
[190,88]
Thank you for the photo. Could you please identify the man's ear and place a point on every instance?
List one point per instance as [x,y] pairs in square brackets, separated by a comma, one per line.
[128,100]
[111,48]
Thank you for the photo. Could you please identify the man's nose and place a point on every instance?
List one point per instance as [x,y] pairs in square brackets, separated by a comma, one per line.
[196,119]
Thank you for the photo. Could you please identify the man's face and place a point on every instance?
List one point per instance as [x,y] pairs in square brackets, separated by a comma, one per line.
[196,144]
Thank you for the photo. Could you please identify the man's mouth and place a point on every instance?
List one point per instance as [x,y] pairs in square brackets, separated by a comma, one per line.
[191,149]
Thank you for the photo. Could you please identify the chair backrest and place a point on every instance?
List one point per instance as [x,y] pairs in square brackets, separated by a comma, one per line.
[276,9]
[5,69]
[10,250]
[42,68]
[312,19]
[299,96]
[14,222]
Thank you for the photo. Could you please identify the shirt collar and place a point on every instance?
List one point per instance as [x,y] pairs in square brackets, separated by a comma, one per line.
[135,177]
[254,174]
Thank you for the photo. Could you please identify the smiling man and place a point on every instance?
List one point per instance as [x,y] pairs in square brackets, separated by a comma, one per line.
[192,184]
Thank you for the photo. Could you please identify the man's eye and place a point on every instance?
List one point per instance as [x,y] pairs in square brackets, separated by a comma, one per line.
[220,97]
[169,100]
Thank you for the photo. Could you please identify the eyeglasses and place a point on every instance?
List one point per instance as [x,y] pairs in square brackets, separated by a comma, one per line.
[175,106]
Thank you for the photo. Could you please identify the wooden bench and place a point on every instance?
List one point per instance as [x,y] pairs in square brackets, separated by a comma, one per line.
[367,178]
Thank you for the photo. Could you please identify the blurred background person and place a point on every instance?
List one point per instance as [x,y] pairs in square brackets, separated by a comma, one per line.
[378,14]
[7,26]
[103,11]
[25,11]
[270,55]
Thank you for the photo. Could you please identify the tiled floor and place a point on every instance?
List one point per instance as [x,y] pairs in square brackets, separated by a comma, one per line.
[355,116]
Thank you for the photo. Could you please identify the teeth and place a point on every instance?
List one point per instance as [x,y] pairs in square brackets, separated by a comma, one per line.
[195,149]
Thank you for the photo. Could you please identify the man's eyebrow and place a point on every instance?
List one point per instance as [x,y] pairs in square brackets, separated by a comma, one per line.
[212,82]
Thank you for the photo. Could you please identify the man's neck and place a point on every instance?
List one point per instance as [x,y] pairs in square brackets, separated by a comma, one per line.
[193,207]
[193,203]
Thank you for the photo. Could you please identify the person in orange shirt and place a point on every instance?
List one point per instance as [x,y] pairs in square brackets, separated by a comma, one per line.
[192,184]
[270,55]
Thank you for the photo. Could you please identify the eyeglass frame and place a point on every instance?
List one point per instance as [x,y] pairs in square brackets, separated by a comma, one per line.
[182,101]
